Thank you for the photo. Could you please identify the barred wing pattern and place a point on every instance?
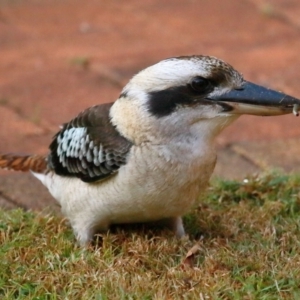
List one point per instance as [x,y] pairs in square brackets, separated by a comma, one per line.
[89,147]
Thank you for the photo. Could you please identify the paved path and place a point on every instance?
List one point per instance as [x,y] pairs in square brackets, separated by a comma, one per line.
[59,57]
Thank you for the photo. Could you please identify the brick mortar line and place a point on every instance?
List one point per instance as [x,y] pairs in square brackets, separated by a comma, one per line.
[107,74]
[278,15]
[244,153]
[46,128]
[12,201]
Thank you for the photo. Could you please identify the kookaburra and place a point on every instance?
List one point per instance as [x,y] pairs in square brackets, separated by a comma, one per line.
[148,155]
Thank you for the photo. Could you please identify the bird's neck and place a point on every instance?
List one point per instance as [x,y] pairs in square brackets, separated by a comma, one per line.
[208,129]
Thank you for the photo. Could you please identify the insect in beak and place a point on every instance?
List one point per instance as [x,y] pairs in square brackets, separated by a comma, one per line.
[295,110]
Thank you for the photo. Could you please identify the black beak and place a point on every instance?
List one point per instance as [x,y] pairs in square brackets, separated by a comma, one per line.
[255,99]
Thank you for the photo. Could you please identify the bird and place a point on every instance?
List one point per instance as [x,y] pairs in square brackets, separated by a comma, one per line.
[148,155]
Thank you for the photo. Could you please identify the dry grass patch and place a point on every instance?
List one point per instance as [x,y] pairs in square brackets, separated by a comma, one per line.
[247,236]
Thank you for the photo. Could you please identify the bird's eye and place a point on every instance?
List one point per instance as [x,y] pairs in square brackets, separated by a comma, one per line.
[200,84]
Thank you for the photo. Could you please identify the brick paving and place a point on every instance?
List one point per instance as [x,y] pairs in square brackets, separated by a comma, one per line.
[59,57]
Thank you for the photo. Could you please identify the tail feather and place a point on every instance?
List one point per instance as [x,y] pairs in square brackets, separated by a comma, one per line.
[24,163]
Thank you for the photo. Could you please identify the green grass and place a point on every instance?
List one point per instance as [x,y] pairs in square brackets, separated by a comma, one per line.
[248,234]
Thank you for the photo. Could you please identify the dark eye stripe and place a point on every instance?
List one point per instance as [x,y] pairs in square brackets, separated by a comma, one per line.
[163,103]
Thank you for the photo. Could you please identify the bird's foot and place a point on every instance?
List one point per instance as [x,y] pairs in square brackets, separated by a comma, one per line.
[176,225]
[85,232]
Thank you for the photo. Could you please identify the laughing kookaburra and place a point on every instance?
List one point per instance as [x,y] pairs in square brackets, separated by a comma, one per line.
[148,155]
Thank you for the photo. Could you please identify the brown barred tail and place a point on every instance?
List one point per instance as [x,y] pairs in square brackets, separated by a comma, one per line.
[24,163]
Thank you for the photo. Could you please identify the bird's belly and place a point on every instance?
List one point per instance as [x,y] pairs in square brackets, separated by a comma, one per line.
[119,203]
[136,193]
[149,205]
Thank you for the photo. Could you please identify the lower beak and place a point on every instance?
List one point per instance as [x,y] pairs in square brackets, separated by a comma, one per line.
[257,100]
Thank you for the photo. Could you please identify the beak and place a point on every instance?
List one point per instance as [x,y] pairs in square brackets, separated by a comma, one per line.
[257,100]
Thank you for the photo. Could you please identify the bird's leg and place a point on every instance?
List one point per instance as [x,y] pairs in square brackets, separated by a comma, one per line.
[85,231]
[176,225]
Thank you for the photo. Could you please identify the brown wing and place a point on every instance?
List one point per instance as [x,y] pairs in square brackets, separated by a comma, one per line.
[89,147]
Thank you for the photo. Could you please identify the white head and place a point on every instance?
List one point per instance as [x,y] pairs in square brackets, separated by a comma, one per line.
[183,96]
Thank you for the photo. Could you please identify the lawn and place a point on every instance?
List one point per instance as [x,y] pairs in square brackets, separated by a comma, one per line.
[244,241]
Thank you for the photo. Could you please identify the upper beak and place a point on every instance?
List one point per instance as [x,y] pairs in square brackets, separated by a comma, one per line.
[258,100]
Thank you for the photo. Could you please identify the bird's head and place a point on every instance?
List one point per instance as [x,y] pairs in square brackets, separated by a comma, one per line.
[190,93]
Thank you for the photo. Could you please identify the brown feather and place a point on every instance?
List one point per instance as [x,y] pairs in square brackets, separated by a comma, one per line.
[24,163]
